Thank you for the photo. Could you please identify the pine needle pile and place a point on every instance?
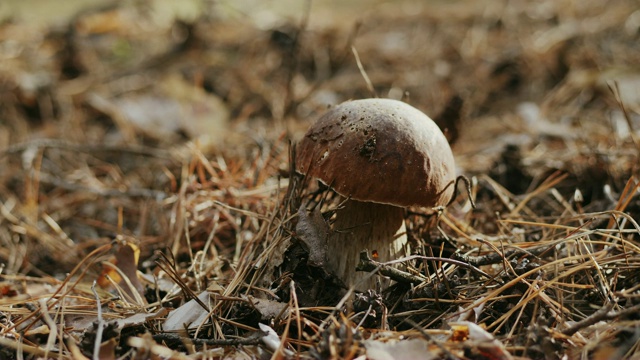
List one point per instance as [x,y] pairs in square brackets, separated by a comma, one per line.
[149,207]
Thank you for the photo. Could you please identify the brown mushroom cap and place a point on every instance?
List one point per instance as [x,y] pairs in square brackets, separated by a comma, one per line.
[379,150]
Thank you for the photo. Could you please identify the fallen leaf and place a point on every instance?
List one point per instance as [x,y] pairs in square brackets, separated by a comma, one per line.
[190,314]
[125,259]
[268,309]
[313,231]
[401,350]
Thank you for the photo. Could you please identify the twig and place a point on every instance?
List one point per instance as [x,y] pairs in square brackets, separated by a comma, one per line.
[601,314]
[604,313]
[252,340]
[369,265]
[99,330]
[495,258]
[441,259]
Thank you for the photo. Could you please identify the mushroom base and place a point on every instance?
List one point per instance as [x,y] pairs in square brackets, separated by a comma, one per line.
[378,228]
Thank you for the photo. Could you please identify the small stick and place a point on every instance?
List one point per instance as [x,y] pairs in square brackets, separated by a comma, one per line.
[100,325]
[495,258]
[252,340]
[604,313]
[367,264]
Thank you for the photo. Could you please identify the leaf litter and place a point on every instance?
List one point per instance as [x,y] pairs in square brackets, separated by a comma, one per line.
[149,210]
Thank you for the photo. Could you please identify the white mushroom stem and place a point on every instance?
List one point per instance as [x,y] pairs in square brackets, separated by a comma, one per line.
[364,225]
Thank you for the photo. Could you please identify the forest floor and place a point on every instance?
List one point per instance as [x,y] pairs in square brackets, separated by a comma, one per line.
[148,206]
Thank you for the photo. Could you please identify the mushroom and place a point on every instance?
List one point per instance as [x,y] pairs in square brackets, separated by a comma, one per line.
[381,155]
